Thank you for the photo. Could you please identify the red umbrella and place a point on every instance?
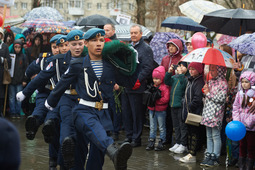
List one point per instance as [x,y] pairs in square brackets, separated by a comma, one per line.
[210,56]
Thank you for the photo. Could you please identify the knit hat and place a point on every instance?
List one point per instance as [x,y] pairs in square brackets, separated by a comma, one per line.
[159,73]
[198,66]
[9,146]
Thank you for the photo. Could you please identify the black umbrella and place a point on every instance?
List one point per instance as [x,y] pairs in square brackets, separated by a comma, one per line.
[95,20]
[230,21]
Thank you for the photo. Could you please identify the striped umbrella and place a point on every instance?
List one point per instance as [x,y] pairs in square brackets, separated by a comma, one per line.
[41,23]
[54,29]
[123,32]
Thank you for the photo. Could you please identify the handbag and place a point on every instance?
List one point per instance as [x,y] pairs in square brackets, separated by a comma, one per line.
[151,95]
[6,76]
[192,119]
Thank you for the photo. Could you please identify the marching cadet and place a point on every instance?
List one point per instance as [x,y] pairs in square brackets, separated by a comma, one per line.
[56,67]
[95,77]
[37,118]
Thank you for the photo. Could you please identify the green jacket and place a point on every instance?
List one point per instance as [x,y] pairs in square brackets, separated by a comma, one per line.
[178,85]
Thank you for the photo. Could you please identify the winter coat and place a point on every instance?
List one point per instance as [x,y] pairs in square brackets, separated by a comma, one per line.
[242,114]
[162,103]
[178,85]
[214,106]
[4,52]
[170,59]
[194,95]
[21,64]
[145,66]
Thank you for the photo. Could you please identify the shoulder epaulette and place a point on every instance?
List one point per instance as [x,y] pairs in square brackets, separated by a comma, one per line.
[77,60]
[44,55]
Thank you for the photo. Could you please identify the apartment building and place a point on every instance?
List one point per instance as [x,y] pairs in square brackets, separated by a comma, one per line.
[75,9]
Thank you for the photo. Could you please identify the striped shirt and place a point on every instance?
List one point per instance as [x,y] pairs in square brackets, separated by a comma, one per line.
[97,66]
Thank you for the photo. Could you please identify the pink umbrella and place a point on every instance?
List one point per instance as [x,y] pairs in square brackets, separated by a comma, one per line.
[224,39]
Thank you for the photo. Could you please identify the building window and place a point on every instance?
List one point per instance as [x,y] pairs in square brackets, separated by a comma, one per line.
[99,5]
[108,5]
[60,5]
[24,5]
[78,4]
[89,6]
[71,3]
[119,5]
[15,5]
[131,6]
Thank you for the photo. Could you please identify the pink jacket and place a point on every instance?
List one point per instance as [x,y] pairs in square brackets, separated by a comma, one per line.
[242,114]
[162,103]
[170,59]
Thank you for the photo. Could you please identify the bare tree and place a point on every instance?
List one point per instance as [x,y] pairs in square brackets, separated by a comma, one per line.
[36,3]
[141,11]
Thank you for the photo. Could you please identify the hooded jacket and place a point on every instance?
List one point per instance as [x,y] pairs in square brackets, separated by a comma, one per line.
[170,59]
[242,114]
[178,85]
[18,36]
[162,103]
[20,67]
[214,105]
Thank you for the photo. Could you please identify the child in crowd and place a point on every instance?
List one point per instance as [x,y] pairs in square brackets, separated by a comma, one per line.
[215,97]
[241,113]
[18,79]
[178,84]
[193,103]
[158,113]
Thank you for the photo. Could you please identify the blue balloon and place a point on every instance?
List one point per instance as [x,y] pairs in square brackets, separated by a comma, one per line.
[235,130]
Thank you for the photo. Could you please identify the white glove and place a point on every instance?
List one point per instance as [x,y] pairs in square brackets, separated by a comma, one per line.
[2,59]
[47,105]
[20,96]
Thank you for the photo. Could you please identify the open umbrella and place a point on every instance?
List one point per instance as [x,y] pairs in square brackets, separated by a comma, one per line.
[182,23]
[230,21]
[210,56]
[224,39]
[95,20]
[158,44]
[197,9]
[245,44]
[123,32]
[41,22]
[45,13]
[54,29]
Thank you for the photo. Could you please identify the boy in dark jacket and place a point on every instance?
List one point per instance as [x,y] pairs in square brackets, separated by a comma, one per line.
[18,79]
[178,84]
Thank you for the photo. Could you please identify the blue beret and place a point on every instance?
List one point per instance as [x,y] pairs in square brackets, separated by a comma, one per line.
[209,40]
[61,40]
[91,33]
[75,35]
[55,38]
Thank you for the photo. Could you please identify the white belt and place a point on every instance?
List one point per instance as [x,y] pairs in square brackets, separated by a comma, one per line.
[93,104]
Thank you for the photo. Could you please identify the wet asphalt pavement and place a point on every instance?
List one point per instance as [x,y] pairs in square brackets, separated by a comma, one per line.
[34,155]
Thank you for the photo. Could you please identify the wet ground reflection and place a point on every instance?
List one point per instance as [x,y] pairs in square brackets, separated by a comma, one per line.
[35,155]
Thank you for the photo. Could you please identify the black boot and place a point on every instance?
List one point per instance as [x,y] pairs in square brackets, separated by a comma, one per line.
[250,163]
[68,152]
[150,145]
[242,163]
[31,125]
[160,146]
[120,155]
[53,163]
[49,131]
